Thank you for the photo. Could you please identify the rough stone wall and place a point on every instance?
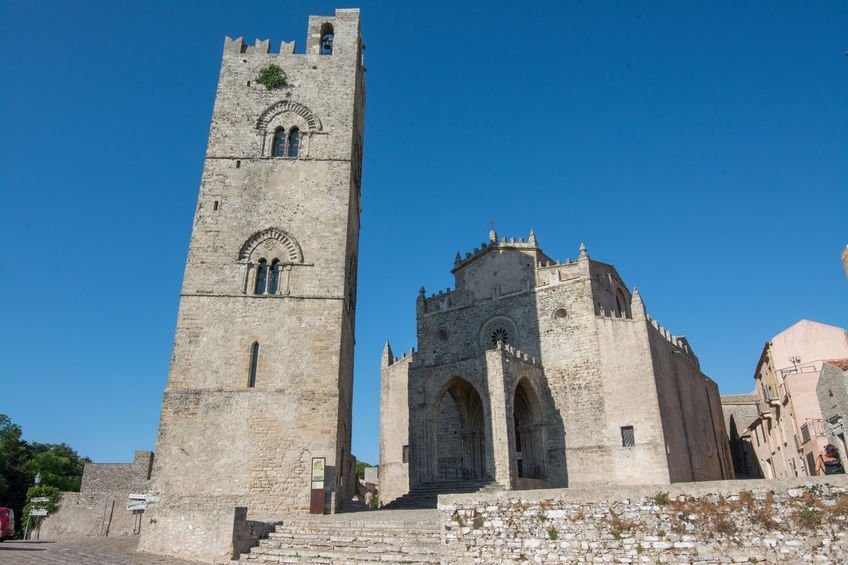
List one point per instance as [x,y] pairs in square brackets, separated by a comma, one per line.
[631,400]
[710,522]
[740,411]
[691,410]
[394,427]
[220,438]
[208,530]
[832,392]
[100,508]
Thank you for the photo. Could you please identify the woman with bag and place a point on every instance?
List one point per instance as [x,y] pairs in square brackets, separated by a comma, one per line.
[828,462]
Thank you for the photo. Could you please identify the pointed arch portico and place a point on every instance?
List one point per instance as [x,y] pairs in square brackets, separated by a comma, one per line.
[460,433]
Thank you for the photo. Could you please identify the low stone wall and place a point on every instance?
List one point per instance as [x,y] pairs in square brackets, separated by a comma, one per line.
[80,515]
[211,530]
[708,522]
[100,508]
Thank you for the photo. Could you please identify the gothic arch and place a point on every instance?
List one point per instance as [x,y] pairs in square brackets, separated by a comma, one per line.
[288,106]
[295,255]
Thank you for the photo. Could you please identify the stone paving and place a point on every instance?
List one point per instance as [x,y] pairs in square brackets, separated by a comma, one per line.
[85,551]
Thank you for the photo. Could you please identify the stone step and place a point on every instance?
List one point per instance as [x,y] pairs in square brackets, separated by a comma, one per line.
[339,538]
[305,555]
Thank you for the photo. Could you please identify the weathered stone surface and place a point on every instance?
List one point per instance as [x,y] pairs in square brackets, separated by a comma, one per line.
[261,374]
[708,522]
[530,373]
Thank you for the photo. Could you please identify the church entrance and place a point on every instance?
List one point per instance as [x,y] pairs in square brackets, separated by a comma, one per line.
[460,438]
[529,443]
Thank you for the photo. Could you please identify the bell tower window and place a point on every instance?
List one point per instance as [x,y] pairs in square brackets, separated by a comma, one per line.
[327,39]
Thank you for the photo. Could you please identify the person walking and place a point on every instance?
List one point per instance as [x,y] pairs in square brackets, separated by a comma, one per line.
[828,462]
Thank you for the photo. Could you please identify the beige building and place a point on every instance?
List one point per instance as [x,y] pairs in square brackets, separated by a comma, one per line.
[789,431]
[540,373]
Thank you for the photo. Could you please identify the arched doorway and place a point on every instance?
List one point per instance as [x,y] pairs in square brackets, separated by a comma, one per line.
[460,436]
[528,445]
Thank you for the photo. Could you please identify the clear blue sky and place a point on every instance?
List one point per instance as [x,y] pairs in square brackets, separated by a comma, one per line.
[702,148]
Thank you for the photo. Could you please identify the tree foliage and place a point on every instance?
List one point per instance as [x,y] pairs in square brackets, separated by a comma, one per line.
[59,465]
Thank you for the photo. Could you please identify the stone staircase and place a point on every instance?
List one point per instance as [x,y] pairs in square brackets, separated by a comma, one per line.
[400,536]
[426,494]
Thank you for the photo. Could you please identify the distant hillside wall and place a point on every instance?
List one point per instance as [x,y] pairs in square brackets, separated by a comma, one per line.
[708,522]
[100,508]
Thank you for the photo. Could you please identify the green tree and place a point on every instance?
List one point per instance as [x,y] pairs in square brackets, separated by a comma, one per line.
[59,465]
[360,469]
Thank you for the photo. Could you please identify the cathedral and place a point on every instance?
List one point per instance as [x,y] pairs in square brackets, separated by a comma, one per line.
[534,373]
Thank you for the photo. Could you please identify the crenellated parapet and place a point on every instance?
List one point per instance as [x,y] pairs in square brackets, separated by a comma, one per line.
[679,342]
[516,353]
[530,244]
[259,47]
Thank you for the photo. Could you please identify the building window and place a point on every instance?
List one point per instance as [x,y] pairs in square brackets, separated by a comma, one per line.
[274,280]
[286,144]
[628,438]
[254,362]
[294,143]
[261,277]
[279,143]
[404,456]
[327,37]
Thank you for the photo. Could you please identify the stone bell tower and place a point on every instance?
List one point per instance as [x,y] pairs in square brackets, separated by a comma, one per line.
[261,377]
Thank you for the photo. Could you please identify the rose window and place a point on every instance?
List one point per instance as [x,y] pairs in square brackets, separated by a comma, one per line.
[499,334]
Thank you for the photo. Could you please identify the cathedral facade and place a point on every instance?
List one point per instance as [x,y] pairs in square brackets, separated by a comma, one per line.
[537,373]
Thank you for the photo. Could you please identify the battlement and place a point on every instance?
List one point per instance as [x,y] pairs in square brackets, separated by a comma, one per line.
[493,243]
[318,26]
[679,342]
[404,358]
[516,353]
[260,47]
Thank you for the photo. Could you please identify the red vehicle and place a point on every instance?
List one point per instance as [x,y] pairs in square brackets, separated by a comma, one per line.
[7,523]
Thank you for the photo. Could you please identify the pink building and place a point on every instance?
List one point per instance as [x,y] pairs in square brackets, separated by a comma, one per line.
[789,432]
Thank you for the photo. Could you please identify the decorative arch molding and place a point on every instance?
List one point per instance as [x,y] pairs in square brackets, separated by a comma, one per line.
[288,106]
[288,242]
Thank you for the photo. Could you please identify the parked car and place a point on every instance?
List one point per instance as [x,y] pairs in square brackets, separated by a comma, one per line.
[7,523]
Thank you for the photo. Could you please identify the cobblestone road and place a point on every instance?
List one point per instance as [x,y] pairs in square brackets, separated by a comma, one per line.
[86,551]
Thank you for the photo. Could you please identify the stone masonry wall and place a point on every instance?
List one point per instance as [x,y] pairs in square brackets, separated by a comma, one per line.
[100,508]
[709,522]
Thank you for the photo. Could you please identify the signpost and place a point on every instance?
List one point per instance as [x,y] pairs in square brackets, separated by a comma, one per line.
[137,502]
[38,512]
[316,498]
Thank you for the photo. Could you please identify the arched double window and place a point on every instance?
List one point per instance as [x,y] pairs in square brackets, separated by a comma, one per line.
[286,143]
[267,277]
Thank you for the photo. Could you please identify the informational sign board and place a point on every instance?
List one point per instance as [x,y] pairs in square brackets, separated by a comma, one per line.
[137,502]
[40,499]
[38,512]
[316,498]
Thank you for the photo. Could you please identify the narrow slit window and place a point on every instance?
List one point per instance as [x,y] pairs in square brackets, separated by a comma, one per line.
[405,454]
[274,279]
[215,205]
[628,438]
[294,143]
[280,143]
[261,276]
[254,362]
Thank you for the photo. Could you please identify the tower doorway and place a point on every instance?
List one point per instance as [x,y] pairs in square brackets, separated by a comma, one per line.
[460,434]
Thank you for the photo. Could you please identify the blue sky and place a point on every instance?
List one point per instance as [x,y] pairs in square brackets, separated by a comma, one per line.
[702,148]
